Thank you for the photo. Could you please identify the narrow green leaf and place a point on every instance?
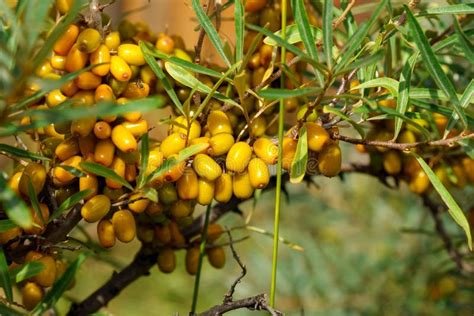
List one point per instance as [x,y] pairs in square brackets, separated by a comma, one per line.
[70,202]
[239,17]
[78,173]
[293,35]
[468,146]
[388,83]
[14,206]
[371,59]
[357,38]
[60,286]
[7,224]
[36,14]
[277,93]
[433,66]
[327,31]
[21,153]
[186,78]
[5,277]
[151,61]
[34,202]
[211,32]
[466,99]
[264,232]
[144,153]
[450,40]
[453,208]
[433,94]
[26,271]
[150,194]
[464,42]
[298,166]
[357,127]
[467,8]
[306,33]
[404,91]
[171,162]
[105,172]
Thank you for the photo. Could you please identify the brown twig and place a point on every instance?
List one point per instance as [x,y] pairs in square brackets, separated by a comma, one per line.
[344,14]
[254,303]
[456,257]
[448,142]
[228,297]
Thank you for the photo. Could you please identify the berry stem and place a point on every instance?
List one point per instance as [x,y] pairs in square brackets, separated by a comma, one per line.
[202,249]
[279,165]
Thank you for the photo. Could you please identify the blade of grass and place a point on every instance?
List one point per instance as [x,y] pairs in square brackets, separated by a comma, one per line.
[211,32]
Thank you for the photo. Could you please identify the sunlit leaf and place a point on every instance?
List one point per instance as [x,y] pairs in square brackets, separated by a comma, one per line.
[388,83]
[450,9]
[70,202]
[239,17]
[327,31]
[26,271]
[298,166]
[277,93]
[105,172]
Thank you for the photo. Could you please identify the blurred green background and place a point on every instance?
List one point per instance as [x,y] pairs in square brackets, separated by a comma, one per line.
[360,257]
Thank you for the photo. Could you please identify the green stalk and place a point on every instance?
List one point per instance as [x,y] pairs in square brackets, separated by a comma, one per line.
[202,248]
[279,165]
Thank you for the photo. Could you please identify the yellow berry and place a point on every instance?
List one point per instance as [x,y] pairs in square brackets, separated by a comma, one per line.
[206,191]
[192,260]
[187,185]
[35,174]
[218,122]
[173,144]
[206,167]
[318,137]
[47,276]
[120,69]
[392,162]
[180,125]
[167,260]
[64,44]
[88,40]
[123,139]
[258,173]
[96,208]
[220,144]
[223,188]
[216,257]
[242,186]
[31,295]
[106,233]
[124,225]
[238,157]
[101,57]
[330,160]
[132,54]
[266,150]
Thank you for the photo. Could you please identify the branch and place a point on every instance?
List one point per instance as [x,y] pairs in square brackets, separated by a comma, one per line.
[454,254]
[448,142]
[254,303]
[228,297]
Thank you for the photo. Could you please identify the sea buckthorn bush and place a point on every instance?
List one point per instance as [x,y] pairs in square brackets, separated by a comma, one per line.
[302,90]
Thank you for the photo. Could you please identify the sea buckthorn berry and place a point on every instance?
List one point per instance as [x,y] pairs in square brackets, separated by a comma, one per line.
[220,144]
[291,104]
[206,167]
[165,44]
[132,54]
[88,81]
[44,69]
[392,162]
[206,191]
[200,140]
[289,151]
[155,160]
[89,182]
[167,194]
[84,97]
[181,54]
[58,62]
[302,111]
[218,122]
[113,195]
[173,144]
[10,234]
[192,260]
[47,276]
[83,127]
[67,40]
[255,5]
[34,173]
[138,128]
[130,172]
[124,225]
[177,238]
[223,188]
[318,137]
[63,6]
[154,208]
[162,235]
[67,148]
[40,221]
[32,256]
[104,93]
[88,40]
[238,157]
[140,204]
[101,56]
[102,130]
[214,232]
[461,178]
[258,126]
[181,208]
[187,185]
[330,160]
[266,150]
[75,60]
[96,208]
[442,175]
[123,139]
[136,90]
[242,186]
[180,125]
[112,40]
[419,183]
[406,137]
[174,173]
[120,69]
[167,260]
[147,75]
[216,257]
[31,295]
[145,233]
[468,165]
[14,182]
[69,88]
[55,97]
[258,173]
[106,233]
[118,166]
[104,152]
